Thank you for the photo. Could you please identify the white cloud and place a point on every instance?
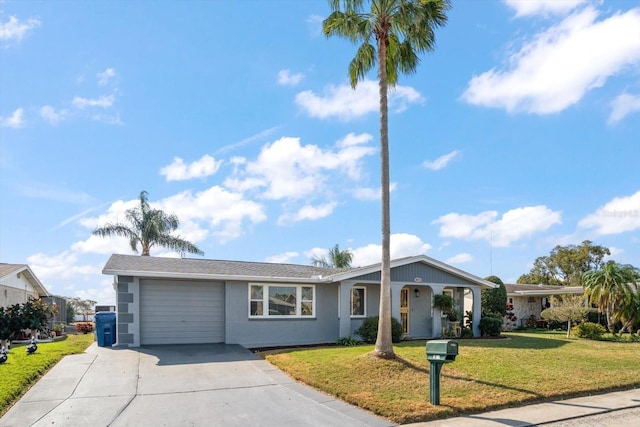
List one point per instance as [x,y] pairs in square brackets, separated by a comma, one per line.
[214,210]
[61,266]
[371,194]
[441,162]
[401,245]
[514,224]
[52,116]
[460,258]
[285,78]
[543,7]
[221,211]
[314,23]
[105,76]
[285,169]
[622,106]
[346,103]
[282,258]
[557,68]
[619,215]
[308,212]
[16,29]
[202,168]
[104,101]
[16,120]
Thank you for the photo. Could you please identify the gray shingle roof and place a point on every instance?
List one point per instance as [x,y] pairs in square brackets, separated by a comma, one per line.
[6,269]
[189,266]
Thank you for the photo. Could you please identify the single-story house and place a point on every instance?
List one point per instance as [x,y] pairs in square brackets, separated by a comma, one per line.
[526,302]
[18,283]
[256,304]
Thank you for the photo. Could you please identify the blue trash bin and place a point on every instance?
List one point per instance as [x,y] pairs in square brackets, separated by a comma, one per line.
[106,328]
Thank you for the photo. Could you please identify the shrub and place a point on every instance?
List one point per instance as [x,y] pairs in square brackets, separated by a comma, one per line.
[490,326]
[84,327]
[590,330]
[368,331]
[347,342]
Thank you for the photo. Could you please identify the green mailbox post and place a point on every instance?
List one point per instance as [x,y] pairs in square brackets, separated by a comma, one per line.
[438,352]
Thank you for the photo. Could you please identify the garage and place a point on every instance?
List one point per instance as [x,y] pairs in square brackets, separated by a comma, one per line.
[181,312]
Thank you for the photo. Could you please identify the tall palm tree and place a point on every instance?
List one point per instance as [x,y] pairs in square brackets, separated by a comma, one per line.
[608,286]
[393,33]
[337,258]
[148,227]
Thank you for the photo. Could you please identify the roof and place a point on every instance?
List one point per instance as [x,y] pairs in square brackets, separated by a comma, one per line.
[159,267]
[517,289]
[148,266]
[11,269]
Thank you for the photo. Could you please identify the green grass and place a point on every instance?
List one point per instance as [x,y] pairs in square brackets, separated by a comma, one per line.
[487,374]
[20,370]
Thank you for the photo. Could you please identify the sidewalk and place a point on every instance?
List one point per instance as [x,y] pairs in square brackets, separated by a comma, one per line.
[542,413]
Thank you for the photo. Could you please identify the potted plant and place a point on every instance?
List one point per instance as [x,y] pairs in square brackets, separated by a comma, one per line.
[58,328]
[444,302]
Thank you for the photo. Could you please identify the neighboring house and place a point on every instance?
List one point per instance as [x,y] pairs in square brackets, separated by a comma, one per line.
[526,302]
[60,305]
[18,283]
[184,301]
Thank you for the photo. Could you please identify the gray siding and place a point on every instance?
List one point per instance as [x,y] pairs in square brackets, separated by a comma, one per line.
[428,274]
[240,329]
[373,304]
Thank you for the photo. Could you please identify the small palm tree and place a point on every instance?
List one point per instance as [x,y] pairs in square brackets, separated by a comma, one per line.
[628,311]
[148,227]
[337,258]
[392,33]
[608,287]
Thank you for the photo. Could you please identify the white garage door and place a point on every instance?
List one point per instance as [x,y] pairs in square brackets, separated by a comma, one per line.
[181,312]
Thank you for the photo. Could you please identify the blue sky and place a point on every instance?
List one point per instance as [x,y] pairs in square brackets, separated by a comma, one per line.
[520,132]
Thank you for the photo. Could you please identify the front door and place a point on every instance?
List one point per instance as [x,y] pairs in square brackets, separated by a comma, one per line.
[404,310]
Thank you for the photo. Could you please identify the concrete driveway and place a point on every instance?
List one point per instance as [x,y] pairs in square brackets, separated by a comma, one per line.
[188,385]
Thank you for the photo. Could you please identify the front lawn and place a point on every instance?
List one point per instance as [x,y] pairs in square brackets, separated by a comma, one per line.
[487,374]
[20,370]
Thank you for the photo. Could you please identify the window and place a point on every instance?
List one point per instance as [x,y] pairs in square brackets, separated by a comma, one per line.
[281,300]
[358,301]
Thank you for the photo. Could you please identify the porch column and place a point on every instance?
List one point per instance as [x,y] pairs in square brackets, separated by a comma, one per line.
[477,310]
[435,313]
[345,308]
[396,287]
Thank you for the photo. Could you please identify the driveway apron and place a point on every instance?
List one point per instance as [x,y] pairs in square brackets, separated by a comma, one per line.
[186,385]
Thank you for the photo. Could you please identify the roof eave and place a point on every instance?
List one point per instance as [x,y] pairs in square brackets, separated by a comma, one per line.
[216,277]
[409,260]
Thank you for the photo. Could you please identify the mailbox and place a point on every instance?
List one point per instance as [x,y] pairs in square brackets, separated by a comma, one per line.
[444,351]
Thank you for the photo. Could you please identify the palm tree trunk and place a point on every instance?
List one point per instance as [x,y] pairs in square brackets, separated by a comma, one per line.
[384,343]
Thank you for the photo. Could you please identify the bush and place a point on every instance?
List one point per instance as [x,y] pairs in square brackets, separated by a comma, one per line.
[347,342]
[589,330]
[490,326]
[368,331]
[84,327]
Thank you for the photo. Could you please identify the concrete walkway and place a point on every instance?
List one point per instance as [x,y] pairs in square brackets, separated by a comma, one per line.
[546,413]
[226,385]
[200,385]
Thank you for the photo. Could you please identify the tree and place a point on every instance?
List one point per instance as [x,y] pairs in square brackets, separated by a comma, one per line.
[565,265]
[608,286]
[569,308]
[148,227]
[337,258]
[628,311]
[81,306]
[494,301]
[402,29]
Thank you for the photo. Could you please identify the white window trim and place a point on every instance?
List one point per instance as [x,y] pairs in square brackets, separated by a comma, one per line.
[265,301]
[357,316]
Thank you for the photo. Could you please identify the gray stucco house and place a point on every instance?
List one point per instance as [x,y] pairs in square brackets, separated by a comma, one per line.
[185,301]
